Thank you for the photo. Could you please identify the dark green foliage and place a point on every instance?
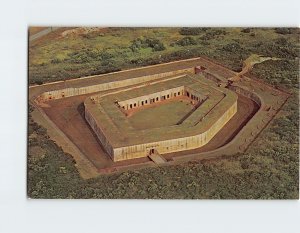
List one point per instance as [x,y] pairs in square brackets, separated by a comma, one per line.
[281,41]
[88,55]
[235,53]
[82,60]
[279,73]
[186,41]
[189,31]
[153,43]
[283,30]
[246,30]
[137,44]
[212,34]
[167,57]
[38,82]
[277,48]
[233,47]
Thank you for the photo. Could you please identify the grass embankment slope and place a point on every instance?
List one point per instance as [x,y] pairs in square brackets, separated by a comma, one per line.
[269,169]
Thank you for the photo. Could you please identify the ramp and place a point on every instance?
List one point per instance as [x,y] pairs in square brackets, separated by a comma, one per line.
[157,158]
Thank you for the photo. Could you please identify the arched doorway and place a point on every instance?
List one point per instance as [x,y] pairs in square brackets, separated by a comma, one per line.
[151,152]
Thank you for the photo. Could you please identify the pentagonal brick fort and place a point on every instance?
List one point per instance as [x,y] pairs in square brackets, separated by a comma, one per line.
[107,114]
[166,110]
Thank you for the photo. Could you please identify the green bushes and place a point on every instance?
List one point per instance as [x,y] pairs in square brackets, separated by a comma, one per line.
[84,56]
[282,73]
[191,31]
[186,41]
[38,82]
[276,48]
[246,30]
[283,30]
[155,44]
[212,34]
[139,43]
[232,47]
[88,56]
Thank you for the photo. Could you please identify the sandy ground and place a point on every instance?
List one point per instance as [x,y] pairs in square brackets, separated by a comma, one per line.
[67,114]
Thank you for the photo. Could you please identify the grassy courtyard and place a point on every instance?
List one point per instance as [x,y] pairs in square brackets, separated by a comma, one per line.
[161,115]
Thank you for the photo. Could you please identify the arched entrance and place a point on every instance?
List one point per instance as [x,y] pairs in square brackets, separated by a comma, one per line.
[151,152]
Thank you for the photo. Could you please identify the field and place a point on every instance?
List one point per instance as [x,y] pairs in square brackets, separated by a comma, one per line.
[251,167]
[65,57]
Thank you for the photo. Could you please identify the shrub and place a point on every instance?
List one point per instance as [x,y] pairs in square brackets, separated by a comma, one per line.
[139,43]
[155,44]
[283,31]
[186,41]
[38,82]
[233,47]
[136,45]
[281,41]
[158,47]
[246,30]
[79,57]
[104,55]
[212,34]
[41,130]
[187,31]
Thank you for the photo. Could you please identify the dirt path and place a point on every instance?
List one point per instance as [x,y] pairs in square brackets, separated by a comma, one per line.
[34,30]
[85,168]
[42,33]
[67,114]
[249,63]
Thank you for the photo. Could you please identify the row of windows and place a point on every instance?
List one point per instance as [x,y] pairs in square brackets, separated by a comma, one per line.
[193,97]
[153,100]
[164,97]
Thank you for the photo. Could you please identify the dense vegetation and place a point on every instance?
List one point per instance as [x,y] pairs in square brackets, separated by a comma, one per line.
[269,169]
[96,53]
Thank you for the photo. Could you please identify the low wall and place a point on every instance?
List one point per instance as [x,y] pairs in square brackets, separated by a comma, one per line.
[247,93]
[97,130]
[175,145]
[68,92]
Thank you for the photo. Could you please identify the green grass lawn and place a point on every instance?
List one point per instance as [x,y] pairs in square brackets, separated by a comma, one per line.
[160,116]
